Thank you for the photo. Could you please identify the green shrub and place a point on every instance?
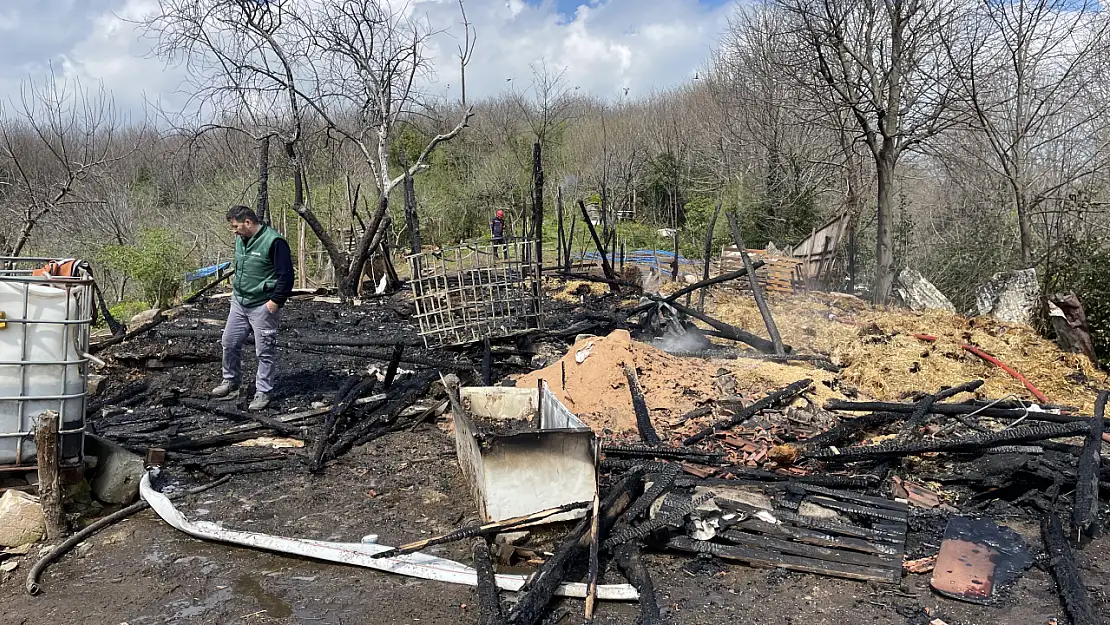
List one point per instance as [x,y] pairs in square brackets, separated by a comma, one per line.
[157,263]
[124,311]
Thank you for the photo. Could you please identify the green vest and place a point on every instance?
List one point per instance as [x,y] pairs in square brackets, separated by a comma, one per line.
[255,277]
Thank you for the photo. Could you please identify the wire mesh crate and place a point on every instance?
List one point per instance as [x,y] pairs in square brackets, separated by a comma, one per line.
[44,339]
[476,291]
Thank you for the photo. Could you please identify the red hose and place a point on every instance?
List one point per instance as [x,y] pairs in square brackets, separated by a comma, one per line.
[1008,369]
[925,337]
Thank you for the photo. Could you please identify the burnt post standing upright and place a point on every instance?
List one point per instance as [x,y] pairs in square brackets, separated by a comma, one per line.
[537,201]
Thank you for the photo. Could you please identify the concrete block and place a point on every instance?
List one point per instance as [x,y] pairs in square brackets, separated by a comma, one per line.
[21,519]
[96,384]
[118,471]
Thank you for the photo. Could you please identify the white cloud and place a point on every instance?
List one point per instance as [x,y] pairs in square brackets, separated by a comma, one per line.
[9,20]
[605,46]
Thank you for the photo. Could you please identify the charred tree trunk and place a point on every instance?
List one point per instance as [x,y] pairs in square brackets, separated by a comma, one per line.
[884,244]
[337,258]
[263,209]
[562,231]
[708,254]
[537,200]
[412,220]
[371,237]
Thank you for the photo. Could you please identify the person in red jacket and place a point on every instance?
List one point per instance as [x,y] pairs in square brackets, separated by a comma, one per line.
[497,231]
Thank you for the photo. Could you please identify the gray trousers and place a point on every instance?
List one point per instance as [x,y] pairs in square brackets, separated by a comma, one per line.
[240,321]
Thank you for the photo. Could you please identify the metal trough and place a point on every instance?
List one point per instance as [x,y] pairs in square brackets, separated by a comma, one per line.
[528,469]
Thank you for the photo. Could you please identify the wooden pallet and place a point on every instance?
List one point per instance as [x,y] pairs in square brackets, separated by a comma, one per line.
[779,274]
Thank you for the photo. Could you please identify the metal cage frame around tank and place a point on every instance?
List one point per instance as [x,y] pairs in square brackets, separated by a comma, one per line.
[466,293]
[76,327]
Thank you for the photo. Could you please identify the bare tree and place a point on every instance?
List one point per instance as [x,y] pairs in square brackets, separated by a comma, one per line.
[1029,77]
[352,66]
[466,49]
[55,145]
[885,65]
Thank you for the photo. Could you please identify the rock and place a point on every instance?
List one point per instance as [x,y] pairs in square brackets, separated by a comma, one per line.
[689,278]
[21,519]
[1009,296]
[917,293]
[96,384]
[119,471]
[145,317]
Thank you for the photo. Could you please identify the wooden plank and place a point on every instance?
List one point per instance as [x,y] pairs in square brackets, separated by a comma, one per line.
[843,495]
[852,508]
[814,537]
[761,557]
[815,552]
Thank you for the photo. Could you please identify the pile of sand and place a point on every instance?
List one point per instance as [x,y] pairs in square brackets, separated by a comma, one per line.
[881,357]
[597,390]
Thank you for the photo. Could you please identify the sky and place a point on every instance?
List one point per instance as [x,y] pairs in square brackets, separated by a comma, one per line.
[604,46]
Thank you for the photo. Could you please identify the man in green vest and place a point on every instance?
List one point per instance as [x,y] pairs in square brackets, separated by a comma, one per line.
[262,283]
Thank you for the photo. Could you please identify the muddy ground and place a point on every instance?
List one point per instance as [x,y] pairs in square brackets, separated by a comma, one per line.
[404,486]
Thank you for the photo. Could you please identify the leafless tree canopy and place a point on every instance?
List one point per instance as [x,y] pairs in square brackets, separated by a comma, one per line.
[960,137]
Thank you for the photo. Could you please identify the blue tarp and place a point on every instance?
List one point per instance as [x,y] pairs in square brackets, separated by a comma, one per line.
[660,259]
[206,272]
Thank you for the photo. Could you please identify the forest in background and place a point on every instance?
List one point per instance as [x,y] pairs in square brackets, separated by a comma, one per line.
[961,137]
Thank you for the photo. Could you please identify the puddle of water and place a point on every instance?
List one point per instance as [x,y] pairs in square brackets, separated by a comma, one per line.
[189,610]
[275,606]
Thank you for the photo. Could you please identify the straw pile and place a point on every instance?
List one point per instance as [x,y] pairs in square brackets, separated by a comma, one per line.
[883,360]
[573,290]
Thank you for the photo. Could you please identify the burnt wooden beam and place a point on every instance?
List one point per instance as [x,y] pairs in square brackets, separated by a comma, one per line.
[391,368]
[605,266]
[639,406]
[1084,511]
[672,453]
[757,289]
[773,559]
[351,390]
[1024,434]
[484,529]
[725,277]
[777,398]
[543,583]
[489,597]
[402,396]
[815,552]
[239,415]
[49,487]
[954,409]
[1069,584]
[922,410]
[631,563]
[813,537]
[727,331]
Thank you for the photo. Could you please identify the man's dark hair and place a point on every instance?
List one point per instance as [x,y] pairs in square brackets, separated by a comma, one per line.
[241,213]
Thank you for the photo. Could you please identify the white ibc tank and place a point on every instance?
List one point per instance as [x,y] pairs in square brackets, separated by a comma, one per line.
[46,343]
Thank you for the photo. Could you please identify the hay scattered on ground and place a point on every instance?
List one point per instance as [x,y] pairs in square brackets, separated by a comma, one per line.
[573,290]
[883,360]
